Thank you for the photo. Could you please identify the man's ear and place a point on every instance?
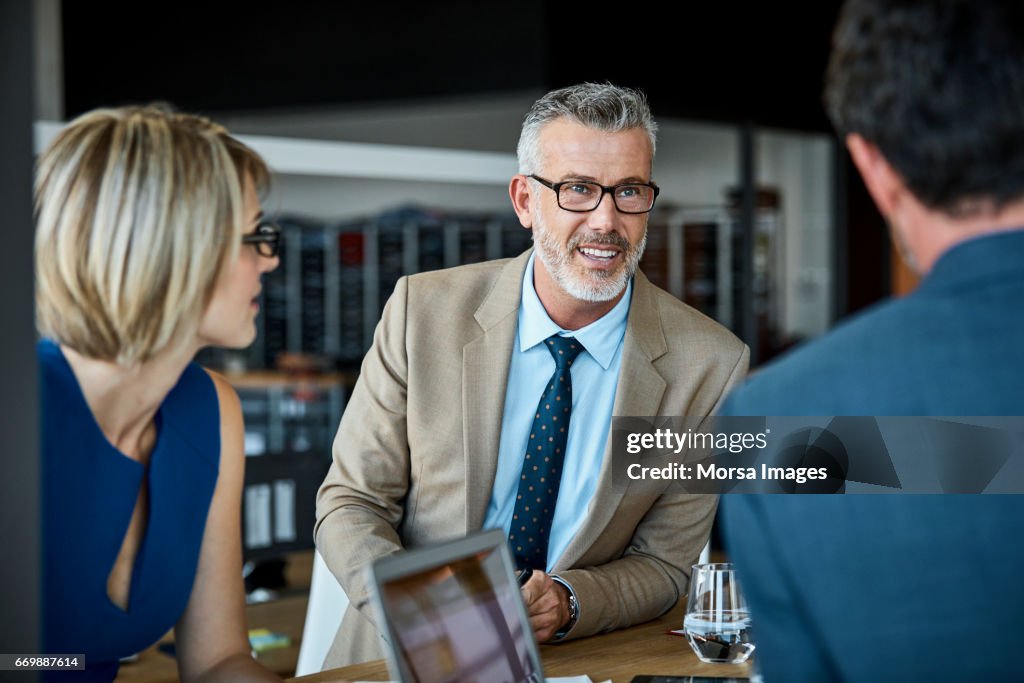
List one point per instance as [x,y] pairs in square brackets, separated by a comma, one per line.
[883,182]
[519,192]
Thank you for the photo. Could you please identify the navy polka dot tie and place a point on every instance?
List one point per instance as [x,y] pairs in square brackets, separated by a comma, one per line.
[542,465]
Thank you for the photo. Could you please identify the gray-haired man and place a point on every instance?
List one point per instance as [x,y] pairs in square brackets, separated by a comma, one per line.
[487,397]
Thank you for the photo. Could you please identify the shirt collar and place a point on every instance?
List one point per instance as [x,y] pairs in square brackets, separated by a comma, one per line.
[600,338]
[993,257]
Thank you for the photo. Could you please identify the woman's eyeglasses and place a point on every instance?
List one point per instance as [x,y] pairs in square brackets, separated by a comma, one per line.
[266,238]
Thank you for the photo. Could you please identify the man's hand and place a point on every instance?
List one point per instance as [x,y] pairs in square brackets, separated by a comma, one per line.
[547,605]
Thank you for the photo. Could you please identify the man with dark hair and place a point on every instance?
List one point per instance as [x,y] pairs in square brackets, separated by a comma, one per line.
[444,433]
[929,98]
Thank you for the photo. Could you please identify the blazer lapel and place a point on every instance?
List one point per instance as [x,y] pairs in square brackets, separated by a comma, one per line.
[639,393]
[485,362]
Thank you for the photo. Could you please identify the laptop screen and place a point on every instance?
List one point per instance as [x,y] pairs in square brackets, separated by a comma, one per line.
[459,620]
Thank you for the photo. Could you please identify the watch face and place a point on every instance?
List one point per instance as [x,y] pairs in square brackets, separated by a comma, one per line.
[574,611]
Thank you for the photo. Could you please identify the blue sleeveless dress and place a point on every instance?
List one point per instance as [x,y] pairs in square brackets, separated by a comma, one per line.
[89,494]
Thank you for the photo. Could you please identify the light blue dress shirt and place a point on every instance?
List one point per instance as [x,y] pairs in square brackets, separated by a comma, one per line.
[595,374]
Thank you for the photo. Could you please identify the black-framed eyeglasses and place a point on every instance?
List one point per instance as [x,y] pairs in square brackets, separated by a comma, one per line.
[582,196]
[266,238]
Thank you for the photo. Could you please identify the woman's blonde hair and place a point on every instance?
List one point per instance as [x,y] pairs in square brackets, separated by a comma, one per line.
[138,211]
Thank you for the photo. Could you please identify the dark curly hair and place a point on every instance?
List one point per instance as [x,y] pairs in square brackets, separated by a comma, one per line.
[938,87]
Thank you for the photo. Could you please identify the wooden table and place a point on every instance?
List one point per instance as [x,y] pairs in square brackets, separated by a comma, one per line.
[620,655]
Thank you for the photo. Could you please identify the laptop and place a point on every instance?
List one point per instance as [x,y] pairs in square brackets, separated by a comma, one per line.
[453,612]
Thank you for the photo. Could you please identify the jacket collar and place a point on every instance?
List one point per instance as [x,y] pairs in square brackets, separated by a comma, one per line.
[995,257]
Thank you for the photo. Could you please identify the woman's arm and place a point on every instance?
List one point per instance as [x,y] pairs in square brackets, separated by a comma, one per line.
[211,636]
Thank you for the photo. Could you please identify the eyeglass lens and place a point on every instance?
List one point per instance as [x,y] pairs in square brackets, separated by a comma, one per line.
[587,196]
[266,239]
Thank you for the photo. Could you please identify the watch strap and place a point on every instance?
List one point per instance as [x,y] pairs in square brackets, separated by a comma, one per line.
[574,609]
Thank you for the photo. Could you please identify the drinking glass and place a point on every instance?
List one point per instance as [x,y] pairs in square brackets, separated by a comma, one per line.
[717,621]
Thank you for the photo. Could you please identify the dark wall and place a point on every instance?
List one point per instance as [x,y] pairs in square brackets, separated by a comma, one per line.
[720,60]
[19,485]
[230,56]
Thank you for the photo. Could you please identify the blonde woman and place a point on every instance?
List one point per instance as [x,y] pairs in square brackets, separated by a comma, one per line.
[149,246]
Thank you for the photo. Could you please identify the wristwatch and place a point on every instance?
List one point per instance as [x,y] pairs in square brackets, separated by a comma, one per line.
[574,610]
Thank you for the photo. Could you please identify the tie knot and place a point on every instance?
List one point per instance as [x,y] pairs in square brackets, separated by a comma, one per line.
[563,349]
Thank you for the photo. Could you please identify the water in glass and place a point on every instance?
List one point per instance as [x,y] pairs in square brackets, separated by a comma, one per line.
[717,621]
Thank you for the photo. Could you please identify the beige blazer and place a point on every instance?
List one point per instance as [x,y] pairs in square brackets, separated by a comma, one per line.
[416,452]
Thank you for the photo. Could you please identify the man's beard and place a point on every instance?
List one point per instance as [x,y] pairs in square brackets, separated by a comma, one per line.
[582,283]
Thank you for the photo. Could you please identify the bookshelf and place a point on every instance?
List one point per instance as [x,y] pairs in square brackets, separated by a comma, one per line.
[693,253]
